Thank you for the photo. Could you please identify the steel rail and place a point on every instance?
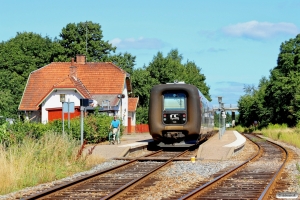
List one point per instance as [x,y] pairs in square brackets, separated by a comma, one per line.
[269,187]
[264,194]
[66,185]
[204,187]
[136,181]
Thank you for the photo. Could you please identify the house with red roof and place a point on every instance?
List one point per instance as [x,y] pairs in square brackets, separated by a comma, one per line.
[104,84]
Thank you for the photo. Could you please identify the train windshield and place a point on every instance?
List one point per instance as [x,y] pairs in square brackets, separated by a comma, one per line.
[174,101]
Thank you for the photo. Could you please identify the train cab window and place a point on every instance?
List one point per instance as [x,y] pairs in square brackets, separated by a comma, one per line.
[174,101]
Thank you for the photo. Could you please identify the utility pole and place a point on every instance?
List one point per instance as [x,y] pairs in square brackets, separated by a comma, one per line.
[220,102]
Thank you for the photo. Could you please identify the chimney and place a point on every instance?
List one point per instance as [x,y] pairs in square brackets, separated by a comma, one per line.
[72,61]
[80,59]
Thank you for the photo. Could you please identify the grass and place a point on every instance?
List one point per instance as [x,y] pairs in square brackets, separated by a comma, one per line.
[283,133]
[276,132]
[34,162]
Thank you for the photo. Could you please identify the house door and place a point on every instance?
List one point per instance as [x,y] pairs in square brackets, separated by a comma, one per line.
[56,113]
[129,125]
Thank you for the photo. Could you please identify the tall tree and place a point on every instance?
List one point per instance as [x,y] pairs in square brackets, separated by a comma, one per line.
[126,61]
[163,70]
[142,83]
[195,77]
[283,92]
[251,105]
[170,68]
[19,57]
[85,38]
[276,100]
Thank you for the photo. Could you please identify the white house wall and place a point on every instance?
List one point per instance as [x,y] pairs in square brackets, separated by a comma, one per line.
[53,101]
[125,106]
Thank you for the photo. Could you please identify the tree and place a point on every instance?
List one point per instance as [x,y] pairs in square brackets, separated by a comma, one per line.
[217,119]
[194,77]
[170,68]
[142,83]
[162,70]
[19,57]
[276,100]
[282,92]
[6,100]
[252,105]
[84,38]
[29,51]
[126,61]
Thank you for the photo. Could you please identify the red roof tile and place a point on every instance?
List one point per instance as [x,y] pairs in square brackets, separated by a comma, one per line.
[132,104]
[91,79]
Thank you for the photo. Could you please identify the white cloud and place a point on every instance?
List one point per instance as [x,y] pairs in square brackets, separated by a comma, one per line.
[140,43]
[260,30]
[230,86]
[213,49]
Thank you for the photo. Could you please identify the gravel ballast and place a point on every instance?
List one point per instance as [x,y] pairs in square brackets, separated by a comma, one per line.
[181,174]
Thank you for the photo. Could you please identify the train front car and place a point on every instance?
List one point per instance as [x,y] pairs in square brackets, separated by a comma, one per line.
[175,114]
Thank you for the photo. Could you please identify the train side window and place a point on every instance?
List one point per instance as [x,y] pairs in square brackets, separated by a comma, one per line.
[174,101]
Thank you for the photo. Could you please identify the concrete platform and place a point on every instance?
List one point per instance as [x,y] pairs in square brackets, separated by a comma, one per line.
[107,151]
[221,149]
[213,149]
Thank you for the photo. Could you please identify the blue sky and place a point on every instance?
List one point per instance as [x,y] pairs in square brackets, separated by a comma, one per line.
[235,43]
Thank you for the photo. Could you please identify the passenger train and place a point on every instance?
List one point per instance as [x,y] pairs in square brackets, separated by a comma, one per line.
[179,114]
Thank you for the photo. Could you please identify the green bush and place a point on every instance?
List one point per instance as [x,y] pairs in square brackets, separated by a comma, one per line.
[142,115]
[16,132]
[96,129]
[277,126]
[4,134]
[239,129]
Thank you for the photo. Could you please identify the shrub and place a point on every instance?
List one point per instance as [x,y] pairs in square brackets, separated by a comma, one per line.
[16,132]
[96,129]
[277,126]
[142,115]
[239,129]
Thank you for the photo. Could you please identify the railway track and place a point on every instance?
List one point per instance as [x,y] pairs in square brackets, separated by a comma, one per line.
[253,179]
[109,183]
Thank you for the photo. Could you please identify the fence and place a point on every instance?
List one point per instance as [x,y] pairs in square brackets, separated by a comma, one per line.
[142,128]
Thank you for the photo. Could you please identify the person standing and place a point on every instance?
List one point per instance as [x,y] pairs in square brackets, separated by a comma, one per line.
[115,126]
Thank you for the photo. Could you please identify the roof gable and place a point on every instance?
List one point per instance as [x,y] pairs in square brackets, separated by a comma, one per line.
[89,79]
[132,104]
